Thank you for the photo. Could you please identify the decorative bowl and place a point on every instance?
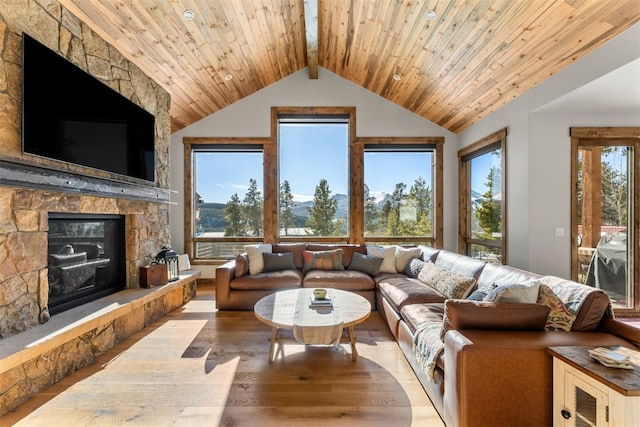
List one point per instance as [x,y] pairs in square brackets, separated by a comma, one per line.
[319,293]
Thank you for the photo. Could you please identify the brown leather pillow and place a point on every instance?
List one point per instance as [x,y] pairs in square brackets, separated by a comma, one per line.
[242,265]
[499,316]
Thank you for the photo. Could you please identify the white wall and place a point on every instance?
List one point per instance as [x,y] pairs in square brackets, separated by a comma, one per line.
[375,116]
[538,153]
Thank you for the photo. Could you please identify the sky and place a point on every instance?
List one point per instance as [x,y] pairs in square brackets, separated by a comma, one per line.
[306,157]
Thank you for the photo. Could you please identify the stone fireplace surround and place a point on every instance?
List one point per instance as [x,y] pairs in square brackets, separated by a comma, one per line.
[36,350]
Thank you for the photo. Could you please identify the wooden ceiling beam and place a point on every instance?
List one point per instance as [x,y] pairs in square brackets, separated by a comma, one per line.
[311,31]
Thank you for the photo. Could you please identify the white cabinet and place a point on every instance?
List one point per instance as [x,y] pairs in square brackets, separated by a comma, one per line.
[586,393]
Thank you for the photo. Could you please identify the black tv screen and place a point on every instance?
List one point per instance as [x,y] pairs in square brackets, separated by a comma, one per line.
[70,116]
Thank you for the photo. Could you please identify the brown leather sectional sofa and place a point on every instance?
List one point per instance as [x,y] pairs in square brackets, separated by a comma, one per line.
[494,370]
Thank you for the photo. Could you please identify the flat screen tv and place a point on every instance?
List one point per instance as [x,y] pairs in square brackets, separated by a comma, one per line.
[70,116]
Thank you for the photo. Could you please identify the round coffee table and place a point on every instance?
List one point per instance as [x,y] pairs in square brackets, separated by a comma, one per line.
[279,310]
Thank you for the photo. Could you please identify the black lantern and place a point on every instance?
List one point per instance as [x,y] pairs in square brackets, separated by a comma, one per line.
[170,257]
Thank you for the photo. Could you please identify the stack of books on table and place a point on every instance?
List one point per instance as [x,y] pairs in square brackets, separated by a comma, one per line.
[610,358]
[320,302]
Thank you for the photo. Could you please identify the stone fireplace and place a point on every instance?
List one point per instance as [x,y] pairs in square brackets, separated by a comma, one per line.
[37,349]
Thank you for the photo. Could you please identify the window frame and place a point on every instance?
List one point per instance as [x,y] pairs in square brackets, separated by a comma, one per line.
[271,187]
[608,137]
[191,145]
[437,144]
[495,140]
[344,113]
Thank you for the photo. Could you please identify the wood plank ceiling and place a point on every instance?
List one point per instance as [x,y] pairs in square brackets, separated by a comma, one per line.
[474,57]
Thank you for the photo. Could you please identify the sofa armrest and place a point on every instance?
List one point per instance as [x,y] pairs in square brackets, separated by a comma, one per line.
[505,377]
[623,330]
[225,273]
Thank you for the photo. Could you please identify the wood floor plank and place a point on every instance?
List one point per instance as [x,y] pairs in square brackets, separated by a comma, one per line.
[200,367]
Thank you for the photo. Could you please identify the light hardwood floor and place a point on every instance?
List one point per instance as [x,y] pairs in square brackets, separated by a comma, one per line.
[200,367]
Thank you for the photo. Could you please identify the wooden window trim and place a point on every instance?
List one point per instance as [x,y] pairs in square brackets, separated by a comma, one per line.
[438,192]
[464,206]
[271,180]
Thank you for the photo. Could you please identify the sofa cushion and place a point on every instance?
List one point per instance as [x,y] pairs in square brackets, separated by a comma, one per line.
[404,255]
[451,285]
[400,291]
[413,267]
[254,252]
[348,280]
[415,315]
[277,262]
[347,250]
[242,265]
[459,264]
[388,255]
[322,260]
[295,248]
[284,279]
[526,293]
[505,316]
[368,264]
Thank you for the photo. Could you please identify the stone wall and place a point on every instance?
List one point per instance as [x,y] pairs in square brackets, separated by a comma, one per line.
[24,212]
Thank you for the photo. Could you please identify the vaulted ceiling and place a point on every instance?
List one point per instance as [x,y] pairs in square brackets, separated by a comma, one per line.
[453,70]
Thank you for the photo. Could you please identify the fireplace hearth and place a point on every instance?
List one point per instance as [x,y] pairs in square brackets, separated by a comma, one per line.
[85,258]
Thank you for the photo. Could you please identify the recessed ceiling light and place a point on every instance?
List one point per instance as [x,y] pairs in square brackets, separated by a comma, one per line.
[188,15]
[396,77]
[431,15]
[228,77]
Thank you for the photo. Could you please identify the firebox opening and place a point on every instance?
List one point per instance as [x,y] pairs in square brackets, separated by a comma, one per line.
[86,258]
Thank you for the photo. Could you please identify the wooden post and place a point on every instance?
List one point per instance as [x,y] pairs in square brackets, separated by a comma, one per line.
[591,196]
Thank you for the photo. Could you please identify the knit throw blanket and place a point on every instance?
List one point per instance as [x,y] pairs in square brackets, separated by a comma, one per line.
[427,347]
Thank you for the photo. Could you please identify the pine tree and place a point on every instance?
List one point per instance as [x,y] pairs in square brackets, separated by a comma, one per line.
[233,216]
[371,212]
[286,207]
[394,226]
[420,195]
[252,208]
[323,210]
[489,211]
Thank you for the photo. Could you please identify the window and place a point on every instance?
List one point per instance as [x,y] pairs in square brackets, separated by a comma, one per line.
[604,213]
[307,183]
[483,199]
[400,203]
[227,208]
[313,153]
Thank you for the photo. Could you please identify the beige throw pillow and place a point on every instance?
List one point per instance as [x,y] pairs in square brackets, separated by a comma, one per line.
[526,293]
[404,255]
[451,285]
[254,253]
[388,255]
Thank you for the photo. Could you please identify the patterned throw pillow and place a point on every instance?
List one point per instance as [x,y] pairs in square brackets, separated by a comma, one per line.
[388,255]
[526,293]
[451,285]
[365,263]
[254,253]
[560,318]
[413,267]
[404,255]
[322,260]
[278,262]
[480,294]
